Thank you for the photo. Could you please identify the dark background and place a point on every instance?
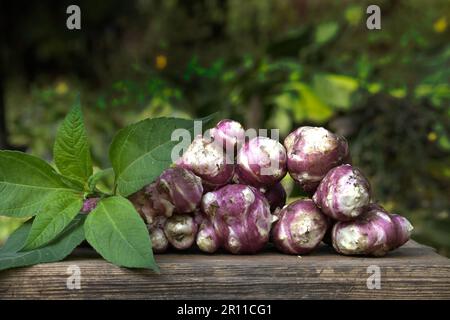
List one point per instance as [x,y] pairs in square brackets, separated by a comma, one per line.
[270,64]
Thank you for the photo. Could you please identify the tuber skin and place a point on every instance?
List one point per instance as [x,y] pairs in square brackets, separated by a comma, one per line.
[159,240]
[311,153]
[403,230]
[261,162]
[175,190]
[89,205]
[164,205]
[238,219]
[182,188]
[276,196]
[143,205]
[300,228]
[375,233]
[343,193]
[207,240]
[229,134]
[206,159]
[180,231]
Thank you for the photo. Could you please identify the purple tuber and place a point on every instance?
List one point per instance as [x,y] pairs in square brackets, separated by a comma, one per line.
[375,233]
[238,219]
[175,190]
[311,153]
[206,159]
[229,134]
[261,162]
[300,228]
[343,193]
[403,230]
[207,240]
[182,188]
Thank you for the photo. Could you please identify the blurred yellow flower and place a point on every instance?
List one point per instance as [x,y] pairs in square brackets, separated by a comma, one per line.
[432,136]
[61,88]
[161,62]
[440,25]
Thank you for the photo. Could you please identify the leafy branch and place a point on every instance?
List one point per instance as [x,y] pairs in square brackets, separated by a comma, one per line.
[30,187]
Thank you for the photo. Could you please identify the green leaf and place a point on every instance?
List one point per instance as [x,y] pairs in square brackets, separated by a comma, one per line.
[305,104]
[71,150]
[25,183]
[140,152]
[54,216]
[96,177]
[117,232]
[325,32]
[58,249]
[336,90]
[73,184]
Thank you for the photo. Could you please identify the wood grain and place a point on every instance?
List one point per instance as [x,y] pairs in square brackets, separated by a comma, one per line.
[413,271]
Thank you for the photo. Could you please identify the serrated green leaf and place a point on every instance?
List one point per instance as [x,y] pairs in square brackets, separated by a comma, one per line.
[116,231]
[55,215]
[71,150]
[25,183]
[73,184]
[140,152]
[58,249]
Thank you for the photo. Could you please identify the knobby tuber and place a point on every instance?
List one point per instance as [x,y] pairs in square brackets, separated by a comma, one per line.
[229,134]
[207,159]
[175,190]
[167,206]
[311,153]
[238,219]
[300,227]
[343,193]
[157,236]
[216,199]
[180,230]
[375,232]
[207,240]
[261,162]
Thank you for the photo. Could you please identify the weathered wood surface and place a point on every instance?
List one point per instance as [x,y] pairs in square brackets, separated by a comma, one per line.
[413,271]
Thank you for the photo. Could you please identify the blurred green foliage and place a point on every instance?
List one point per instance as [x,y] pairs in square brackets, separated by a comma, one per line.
[273,64]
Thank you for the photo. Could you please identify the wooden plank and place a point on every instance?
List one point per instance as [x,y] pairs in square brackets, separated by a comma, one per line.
[413,271]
